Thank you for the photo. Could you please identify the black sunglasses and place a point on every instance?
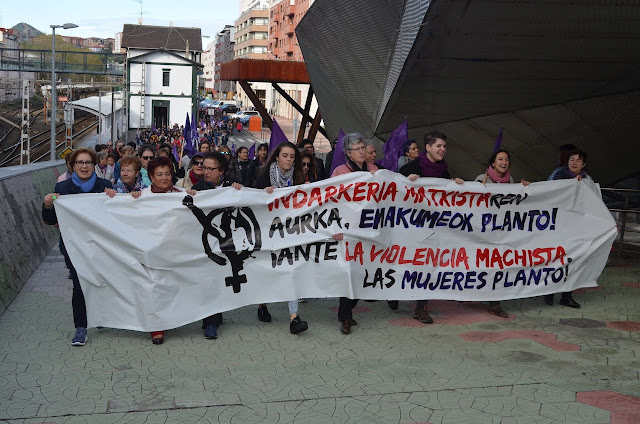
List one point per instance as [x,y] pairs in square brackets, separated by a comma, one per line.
[197,162]
[146,157]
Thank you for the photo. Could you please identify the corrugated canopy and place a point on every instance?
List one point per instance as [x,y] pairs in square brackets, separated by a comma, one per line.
[549,72]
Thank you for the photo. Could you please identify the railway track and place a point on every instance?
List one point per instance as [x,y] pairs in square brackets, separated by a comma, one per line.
[40,143]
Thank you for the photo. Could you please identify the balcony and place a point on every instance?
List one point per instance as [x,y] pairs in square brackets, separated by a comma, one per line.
[289,29]
[290,9]
[275,15]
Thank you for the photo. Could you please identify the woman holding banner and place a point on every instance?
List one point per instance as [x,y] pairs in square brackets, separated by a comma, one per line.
[161,174]
[498,172]
[282,169]
[410,152]
[573,169]
[83,180]
[354,145]
[431,163]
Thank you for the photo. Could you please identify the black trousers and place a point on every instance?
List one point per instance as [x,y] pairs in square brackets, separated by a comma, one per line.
[77,300]
[215,319]
[345,310]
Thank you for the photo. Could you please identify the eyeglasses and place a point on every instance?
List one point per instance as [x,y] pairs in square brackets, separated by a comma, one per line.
[225,153]
[358,149]
[306,164]
[207,169]
[197,162]
[146,157]
[84,163]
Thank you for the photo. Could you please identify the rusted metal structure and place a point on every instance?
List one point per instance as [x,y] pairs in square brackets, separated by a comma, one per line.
[276,72]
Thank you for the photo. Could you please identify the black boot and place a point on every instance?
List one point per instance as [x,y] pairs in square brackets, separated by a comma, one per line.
[548,299]
[567,300]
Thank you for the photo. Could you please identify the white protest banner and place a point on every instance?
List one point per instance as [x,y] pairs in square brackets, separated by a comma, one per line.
[154,263]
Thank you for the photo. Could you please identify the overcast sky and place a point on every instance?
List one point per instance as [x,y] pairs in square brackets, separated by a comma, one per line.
[104,18]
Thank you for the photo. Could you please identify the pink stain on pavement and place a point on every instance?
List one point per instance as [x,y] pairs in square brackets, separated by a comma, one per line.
[624,409]
[585,289]
[632,285]
[357,309]
[451,312]
[631,326]
[545,339]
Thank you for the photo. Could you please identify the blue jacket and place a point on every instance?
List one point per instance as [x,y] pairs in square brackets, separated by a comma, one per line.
[68,187]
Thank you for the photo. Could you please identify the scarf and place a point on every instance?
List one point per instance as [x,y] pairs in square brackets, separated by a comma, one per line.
[496,178]
[565,174]
[85,186]
[122,187]
[193,177]
[278,179]
[103,168]
[171,189]
[430,169]
[355,168]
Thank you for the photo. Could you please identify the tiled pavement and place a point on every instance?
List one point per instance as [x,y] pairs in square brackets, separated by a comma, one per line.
[542,365]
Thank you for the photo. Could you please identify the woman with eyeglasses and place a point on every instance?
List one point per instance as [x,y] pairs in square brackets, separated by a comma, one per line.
[83,180]
[195,174]
[282,169]
[354,145]
[215,176]
[254,166]
[146,153]
[309,167]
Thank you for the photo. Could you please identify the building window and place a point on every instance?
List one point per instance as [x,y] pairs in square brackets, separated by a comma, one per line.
[165,77]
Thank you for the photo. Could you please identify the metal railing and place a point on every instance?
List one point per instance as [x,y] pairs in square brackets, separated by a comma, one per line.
[626,227]
[66,62]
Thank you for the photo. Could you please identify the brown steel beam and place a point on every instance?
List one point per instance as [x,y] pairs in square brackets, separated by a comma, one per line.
[296,106]
[256,102]
[303,123]
[315,125]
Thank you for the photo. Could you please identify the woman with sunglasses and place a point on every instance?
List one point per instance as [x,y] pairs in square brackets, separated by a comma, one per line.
[83,180]
[282,169]
[195,174]
[215,176]
[146,153]
[233,167]
[309,167]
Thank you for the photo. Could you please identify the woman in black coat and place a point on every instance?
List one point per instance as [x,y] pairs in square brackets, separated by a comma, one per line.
[83,180]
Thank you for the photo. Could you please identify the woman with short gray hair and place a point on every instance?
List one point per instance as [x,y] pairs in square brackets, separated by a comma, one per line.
[354,150]
[102,169]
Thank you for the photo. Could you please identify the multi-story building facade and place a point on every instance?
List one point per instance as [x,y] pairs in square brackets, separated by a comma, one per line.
[224,52]
[252,42]
[208,63]
[11,81]
[117,43]
[162,73]
[284,16]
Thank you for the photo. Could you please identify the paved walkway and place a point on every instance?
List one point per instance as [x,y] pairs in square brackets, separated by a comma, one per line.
[542,365]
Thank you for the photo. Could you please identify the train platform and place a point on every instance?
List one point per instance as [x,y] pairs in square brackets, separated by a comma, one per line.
[543,364]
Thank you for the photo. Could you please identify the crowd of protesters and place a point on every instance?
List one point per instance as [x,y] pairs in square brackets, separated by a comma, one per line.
[160,162]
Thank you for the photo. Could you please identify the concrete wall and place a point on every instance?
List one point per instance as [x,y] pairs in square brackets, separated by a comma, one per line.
[24,239]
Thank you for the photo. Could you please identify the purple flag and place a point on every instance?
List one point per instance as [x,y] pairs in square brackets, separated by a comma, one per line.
[252,152]
[189,150]
[392,149]
[233,149]
[202,124]
[498,144]
[338,153]
[154,129]
[277,137]
[175,153]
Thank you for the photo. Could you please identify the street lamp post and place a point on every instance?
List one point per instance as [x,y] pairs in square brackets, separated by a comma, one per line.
[54,94]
